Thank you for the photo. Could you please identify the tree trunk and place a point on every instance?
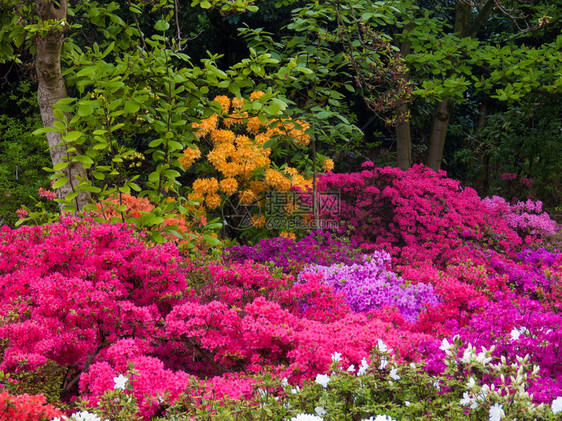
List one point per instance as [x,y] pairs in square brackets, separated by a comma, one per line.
[52,89]
[404,141]
[403,131]
[445,108]
[439,126]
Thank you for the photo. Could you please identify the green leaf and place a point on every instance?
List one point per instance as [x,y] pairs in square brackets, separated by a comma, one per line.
[171,173]
[86,160]
[109,49]
[216,225]
[42,130]
[72,136]
[215,242]
[85,110]
[91,189]
[60,182]
[86,71]
[134,186]
[176,146]
[71,196]
[60,166]
[131,107]
[154,176]
[269,143]
[155,143]
[235,89]
[161,25]
[175,234]
[205,4]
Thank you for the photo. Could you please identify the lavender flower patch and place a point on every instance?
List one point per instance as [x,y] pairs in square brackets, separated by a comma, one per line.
[370,285]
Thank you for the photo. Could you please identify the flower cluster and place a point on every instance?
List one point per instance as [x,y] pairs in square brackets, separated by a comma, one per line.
[527,218]
[418,208]
[371,286]
[318,247]
[26,408]
[462,302]
[240,158]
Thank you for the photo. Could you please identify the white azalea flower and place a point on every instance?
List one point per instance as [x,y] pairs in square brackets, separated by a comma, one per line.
[468,400]
[468,355]
[381,346]
[496,412]
[379,418]
[394,374]
[516,333]
[363,367]
[336,357]
[445,345]
[85,416]
[351,368]
[323,380]
[557,405]
[306,417]
[120,382]
[384,363]
[320,410]
[481,358]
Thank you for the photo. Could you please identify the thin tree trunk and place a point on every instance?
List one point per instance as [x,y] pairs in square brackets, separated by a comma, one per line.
[445,108]
[52,89]
[404,141]
[439,126]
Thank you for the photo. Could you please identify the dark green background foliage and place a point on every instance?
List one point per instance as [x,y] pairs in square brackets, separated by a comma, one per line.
[22,155]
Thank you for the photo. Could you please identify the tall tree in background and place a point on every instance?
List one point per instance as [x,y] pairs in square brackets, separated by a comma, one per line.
[51,89]
[444,109]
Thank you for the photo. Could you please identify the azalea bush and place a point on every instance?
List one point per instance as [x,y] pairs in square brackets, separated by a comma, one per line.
[415,208]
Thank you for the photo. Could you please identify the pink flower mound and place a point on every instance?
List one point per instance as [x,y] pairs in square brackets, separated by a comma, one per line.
[97,300]
[415,208]
[527,218]
[263,334]
[71,289]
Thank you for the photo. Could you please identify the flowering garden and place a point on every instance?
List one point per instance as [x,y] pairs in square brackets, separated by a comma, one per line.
[425,302]
[217,210]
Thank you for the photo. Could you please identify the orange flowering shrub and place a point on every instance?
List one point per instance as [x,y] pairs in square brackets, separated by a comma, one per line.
[239,156]
[136,207]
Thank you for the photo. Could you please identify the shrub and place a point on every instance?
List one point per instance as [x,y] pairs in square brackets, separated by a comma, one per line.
[416,208]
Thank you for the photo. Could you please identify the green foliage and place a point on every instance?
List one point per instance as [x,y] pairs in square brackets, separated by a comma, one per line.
[22,156]
[46,380]
[523,140]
